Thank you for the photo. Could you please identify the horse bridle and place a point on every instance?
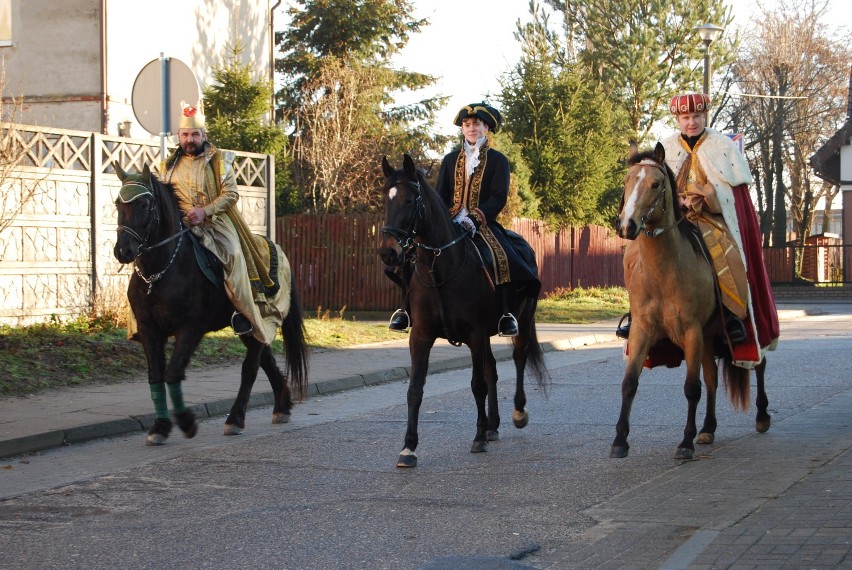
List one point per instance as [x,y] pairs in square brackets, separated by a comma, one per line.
[656,232]
[149,228]
[405,238]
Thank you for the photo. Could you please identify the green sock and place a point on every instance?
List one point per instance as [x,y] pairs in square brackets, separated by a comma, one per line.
[176,392]
[158,395]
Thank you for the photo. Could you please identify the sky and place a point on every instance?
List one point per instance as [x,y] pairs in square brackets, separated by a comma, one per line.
[470,43]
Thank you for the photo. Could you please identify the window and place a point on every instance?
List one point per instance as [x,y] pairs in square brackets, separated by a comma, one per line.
[5,22]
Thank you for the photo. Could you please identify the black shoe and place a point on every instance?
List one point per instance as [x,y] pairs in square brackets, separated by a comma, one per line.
[736,329]
[399,321]
[623,329]
[241,324]
[508,325]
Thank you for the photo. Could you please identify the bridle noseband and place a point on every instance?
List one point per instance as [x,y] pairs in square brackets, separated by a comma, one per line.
[656,232]
[143,248]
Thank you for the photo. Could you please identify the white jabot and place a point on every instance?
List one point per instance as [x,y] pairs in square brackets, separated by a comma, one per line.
[471,152]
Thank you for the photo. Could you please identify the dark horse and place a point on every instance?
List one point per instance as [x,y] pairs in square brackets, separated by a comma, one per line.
[672,292]
[170,296]
[451,296]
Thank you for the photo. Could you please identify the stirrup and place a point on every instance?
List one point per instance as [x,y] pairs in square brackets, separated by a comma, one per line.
[399,321]
[241,324]
[735,328]
[623,330]
[507,325]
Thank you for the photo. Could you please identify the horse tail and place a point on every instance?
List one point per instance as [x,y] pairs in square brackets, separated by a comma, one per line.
[535,355]
[736,384]
[295,346]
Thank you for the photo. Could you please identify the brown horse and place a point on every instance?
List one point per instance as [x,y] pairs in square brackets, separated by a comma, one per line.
[673,303]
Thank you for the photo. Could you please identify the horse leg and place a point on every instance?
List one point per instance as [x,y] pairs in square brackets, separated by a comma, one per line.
[491,377]
[638,348]
[280,389]
[155,355]
[711,382]
[235,423]
[693,353]
[763,418]
[420,346]
[185,344]
[480,390]
[520,417]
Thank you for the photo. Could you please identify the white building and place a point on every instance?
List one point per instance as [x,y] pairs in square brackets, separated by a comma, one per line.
[74,62]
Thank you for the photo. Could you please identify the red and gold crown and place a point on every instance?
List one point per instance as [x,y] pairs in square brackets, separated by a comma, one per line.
[191,116]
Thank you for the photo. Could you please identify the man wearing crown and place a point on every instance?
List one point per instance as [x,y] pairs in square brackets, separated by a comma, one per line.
[206,189]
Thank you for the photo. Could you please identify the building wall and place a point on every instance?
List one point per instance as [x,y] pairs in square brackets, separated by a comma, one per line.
[196,32]
[69,81]
[54,62]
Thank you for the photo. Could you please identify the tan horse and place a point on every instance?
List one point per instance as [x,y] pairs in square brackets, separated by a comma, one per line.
[673,303]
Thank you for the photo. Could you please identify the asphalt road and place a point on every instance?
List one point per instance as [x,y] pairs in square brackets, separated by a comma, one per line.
[323,492]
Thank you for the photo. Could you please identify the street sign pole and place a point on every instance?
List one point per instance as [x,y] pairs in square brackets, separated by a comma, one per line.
[164,104]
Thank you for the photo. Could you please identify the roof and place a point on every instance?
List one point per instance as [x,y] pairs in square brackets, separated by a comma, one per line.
[826,160]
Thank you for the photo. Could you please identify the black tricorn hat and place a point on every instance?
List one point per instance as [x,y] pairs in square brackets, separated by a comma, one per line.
[486,113]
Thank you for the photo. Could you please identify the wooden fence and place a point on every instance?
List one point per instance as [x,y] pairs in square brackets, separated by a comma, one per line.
[336,266]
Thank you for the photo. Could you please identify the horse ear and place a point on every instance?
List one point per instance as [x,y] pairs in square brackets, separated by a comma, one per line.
[386,167]
[122,175]
[408,167]
[146,173]
[660,153]
[634,150]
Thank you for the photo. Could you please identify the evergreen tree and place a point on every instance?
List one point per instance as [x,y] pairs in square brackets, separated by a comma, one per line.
[235,107]
[642,51]
[337,101]
[569,133]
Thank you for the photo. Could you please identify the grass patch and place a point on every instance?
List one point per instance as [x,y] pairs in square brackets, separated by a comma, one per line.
[95,350]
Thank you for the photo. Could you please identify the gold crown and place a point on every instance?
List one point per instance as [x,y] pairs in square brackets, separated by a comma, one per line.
[191,116]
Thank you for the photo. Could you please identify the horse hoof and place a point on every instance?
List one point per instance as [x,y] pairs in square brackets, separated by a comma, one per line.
[762,426]
[521,419]
[684,453]
[186,422]
[280,418]
[231,429]
[492,435]
[407,459]
[155,439]
[705,437]
[619,451]
[479,447]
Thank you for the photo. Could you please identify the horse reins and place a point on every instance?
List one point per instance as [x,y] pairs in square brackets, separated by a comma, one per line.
[144,247]
[656,232]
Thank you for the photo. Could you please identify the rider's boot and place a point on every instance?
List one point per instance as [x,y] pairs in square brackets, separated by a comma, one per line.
[735,328]
[623,329]
[508,324]
[241,324]
[400,321]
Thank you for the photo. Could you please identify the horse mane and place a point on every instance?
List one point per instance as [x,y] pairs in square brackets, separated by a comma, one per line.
[165,195]
[686,230]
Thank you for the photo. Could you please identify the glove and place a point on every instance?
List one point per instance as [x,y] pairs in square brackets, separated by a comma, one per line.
[465,221]
[468,224]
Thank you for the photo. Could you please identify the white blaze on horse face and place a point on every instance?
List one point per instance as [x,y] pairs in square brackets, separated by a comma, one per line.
[392,193]
[630,202]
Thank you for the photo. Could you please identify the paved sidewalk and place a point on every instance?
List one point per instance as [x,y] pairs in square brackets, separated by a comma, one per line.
[75,415]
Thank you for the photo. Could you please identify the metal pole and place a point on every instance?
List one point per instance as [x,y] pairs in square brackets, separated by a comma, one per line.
[707,67]
[165,95]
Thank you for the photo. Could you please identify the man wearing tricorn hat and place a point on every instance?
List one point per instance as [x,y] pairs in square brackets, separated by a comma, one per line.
[474,184]
[206,189]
